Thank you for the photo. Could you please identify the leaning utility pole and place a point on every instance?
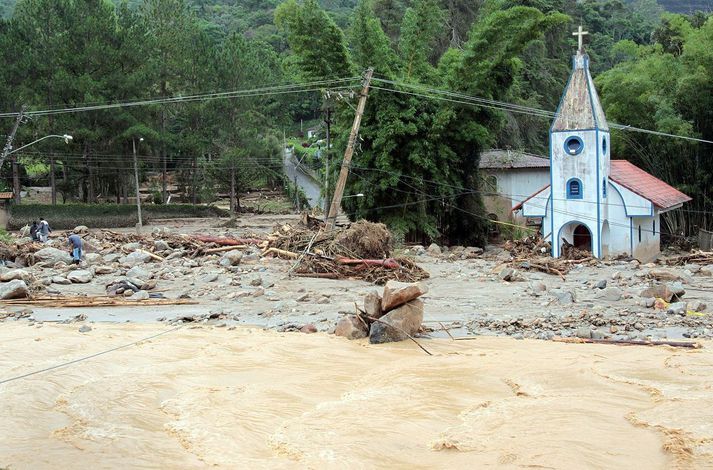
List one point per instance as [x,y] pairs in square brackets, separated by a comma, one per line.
[342,181]
[11,137]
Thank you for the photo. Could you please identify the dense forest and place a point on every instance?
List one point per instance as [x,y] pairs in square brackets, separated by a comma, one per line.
[221,84]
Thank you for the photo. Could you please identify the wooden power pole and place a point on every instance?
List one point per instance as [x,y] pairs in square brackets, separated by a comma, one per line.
[11,137]
[344,171]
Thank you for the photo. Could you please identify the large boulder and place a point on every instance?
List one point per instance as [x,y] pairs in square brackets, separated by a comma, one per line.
[351,328]
[81,229]
[16,289]
[398,324]
[137,257]
[80,276]
[398,293]
[138,271]
[15,274]
[372,304]
[231,258]
[660,291]
[92,258]
[53,255]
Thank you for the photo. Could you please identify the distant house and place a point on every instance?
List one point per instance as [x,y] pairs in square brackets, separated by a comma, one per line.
[510,177]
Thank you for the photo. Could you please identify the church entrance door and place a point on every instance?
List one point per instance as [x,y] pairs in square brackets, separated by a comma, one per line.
[582,238]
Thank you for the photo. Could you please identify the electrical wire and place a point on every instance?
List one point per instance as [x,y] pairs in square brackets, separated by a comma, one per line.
[64,364]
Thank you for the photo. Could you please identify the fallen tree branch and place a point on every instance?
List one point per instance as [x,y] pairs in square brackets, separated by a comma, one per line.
[630,342]
[153,256]
[401,330]
[224,248]
[225,241]
[280,252]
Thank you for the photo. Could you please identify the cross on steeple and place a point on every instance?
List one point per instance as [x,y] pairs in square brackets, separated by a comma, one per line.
[580,36]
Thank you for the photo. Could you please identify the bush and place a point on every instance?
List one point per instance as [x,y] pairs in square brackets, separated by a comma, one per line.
[68,216]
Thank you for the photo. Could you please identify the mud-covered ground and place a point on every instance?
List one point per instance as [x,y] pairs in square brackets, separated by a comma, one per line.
[467,296]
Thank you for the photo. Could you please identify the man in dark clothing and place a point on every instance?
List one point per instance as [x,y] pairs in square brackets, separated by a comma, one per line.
[76,242]
[33,231]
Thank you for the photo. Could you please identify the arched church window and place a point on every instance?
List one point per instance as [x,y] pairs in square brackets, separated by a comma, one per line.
[573,145]
[574,189]
[604,187]
[604,145]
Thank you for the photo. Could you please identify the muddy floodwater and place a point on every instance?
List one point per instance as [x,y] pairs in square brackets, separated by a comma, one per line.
[247,398]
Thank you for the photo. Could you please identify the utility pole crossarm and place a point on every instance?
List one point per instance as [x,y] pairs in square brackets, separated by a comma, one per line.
[348,153]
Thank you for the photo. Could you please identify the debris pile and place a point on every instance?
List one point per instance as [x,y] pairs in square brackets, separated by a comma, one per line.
[361,251]
[394,316]
[528,247]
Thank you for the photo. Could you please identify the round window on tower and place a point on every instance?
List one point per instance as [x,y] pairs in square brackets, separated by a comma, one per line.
[573,145]
[604,145]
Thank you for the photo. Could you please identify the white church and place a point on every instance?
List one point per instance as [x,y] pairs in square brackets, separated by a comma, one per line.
[609,207]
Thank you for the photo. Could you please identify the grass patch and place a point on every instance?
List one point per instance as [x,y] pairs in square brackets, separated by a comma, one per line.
[68,216]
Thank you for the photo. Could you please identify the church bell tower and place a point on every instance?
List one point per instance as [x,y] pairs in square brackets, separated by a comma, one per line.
[579,164]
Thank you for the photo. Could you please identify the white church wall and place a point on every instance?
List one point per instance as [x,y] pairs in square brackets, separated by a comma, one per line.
[647,243]
[619,223]
[582,166]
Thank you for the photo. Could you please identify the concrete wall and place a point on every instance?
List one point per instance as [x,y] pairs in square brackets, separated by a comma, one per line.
[514,186]
[648,246]
[619,223]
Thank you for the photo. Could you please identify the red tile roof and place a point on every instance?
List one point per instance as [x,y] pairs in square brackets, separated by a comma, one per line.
[633,178]
[645,185]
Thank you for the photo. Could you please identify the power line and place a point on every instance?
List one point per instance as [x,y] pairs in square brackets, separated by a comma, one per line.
[250,92]
[444,95]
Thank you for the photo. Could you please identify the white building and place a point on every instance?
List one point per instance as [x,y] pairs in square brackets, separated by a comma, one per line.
[510,177]
[609,207]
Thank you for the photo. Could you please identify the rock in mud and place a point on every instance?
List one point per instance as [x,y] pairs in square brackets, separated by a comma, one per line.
[103,270]
[395,325]
[677,289]
[660,291]
[506,274]
[160,245]
[13,274]
[601,284]
[308,328]
[612,294]
[16,289]
[677,308]
[140,295]
[351,327]
[697,306]
[60,280]
[52,256]
[256,282]
[137,257]
[583,332]
[85,329]
[92,258]
[231,258]
[81,229]
[139,272]
[80,276]
[434,250]
[564,296]
[372,304]
[398,293]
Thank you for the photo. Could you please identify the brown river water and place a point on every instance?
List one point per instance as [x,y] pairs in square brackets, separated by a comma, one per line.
[248,398]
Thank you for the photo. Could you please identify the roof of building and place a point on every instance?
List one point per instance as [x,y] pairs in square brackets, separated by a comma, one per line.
[633,178]
[645,185]
[580,107]
[502,159]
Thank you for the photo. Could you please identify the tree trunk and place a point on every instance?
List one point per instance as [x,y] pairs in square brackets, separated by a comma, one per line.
[16,179]
[91,192]
[52,181]
[232,188]
[194,198]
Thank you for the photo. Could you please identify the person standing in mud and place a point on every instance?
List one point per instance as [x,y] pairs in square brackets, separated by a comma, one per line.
[34,228]
[44,230]
[76,242]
